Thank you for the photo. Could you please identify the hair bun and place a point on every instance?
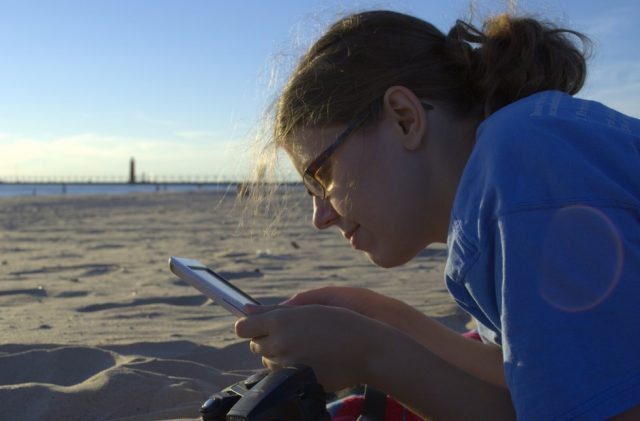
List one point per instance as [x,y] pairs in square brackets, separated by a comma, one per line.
[519,56]
[498,26]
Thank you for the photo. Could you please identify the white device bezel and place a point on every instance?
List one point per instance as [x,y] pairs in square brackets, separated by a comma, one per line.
[182,267]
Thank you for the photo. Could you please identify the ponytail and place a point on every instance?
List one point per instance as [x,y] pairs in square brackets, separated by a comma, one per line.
[519,56]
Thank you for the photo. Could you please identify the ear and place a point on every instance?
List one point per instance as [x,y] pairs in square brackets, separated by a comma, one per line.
[404,109]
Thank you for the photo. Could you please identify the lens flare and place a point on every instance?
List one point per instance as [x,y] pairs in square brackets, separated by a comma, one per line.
[582,259]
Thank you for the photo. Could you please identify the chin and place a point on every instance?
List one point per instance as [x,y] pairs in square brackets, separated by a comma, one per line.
[388,261]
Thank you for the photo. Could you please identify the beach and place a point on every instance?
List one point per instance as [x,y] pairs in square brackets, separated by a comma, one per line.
[94,325]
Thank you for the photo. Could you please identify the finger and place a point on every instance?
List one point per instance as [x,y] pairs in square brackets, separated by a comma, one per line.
[259,346]
[313,296]
[254,347]
[270,364]
[267,347]
[251,327]
[261,324]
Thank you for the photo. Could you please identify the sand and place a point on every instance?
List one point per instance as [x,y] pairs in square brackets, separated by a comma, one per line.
[94,326]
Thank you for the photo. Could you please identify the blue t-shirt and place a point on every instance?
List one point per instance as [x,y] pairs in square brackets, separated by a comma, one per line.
[544,252]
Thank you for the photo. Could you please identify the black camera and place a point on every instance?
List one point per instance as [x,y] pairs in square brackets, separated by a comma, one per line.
[291,393]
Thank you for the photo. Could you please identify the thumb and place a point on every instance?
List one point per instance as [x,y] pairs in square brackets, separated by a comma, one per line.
[323,296]
[257,309]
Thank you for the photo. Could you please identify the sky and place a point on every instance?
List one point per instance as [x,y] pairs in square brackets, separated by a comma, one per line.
[181,85]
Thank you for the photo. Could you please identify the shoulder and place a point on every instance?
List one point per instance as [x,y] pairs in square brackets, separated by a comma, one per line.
[549,150]
[551,146]
[510,150]
[551,119]
[526,126]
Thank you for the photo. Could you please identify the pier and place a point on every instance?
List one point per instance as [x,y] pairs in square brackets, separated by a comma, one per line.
[132,177]
[106,179]
[129,181]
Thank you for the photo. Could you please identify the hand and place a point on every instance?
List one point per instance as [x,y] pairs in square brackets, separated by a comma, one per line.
[336,343]
[361,300]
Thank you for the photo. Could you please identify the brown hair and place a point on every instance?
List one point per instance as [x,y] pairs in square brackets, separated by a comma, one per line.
[350,67]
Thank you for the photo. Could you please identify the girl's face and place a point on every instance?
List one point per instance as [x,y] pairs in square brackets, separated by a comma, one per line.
[388,193]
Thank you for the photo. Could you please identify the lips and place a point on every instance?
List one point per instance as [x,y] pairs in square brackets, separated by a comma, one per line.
[351,235]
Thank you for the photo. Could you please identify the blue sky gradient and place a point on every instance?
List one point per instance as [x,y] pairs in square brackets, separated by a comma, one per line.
[181,84]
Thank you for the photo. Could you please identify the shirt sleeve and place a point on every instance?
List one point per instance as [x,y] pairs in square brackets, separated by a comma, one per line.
[567,284]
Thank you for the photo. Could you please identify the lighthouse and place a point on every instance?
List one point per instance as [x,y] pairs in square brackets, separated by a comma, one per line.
[132,171]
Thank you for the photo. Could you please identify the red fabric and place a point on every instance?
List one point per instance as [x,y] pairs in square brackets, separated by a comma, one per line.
[395,411]
[351,408]
[472,335]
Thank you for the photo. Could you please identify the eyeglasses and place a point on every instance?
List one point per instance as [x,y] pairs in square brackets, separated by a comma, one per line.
[310,176]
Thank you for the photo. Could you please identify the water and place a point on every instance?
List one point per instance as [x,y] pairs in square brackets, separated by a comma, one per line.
[13,190]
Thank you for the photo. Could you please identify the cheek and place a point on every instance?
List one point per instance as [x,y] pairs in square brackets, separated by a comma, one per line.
[365,189]
[381,168]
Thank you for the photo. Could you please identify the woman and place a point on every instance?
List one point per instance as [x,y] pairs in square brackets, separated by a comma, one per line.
[404,137]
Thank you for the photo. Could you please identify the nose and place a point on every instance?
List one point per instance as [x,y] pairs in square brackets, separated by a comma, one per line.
[324,215]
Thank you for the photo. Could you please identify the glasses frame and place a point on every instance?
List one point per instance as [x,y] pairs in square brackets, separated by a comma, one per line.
[309,177]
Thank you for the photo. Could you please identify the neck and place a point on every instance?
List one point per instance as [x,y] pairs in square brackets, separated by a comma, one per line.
[452,142]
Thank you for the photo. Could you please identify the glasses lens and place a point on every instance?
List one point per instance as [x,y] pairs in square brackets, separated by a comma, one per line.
[313,185]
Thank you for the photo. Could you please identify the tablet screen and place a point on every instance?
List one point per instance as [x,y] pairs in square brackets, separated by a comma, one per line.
[231,292]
